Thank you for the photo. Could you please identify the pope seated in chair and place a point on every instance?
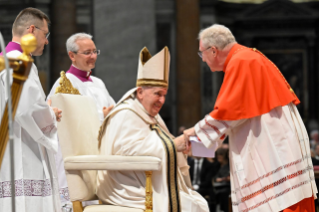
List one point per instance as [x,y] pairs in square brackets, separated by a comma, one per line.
[134,128]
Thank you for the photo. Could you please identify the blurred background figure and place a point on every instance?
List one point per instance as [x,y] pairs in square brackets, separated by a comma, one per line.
[314,139]
[315,159]
[315,162]
[202,171]
[221,181]
[181,130]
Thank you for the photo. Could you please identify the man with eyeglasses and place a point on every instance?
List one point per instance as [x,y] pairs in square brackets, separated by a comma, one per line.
[35,137]
[83,54]
[269,151]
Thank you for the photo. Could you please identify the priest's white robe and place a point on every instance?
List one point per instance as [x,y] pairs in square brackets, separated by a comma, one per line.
[95,89]
[270,160]
[35,142]
[99,93]
[2,96]
[129,134]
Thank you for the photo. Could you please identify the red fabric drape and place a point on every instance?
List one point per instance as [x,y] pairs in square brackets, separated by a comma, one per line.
[305,205]
[252,86]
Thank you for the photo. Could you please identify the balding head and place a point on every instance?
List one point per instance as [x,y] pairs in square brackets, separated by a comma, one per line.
[27,17]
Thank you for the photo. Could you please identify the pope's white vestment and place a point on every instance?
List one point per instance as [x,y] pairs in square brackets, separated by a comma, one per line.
[95,89]
[270,160]
[35,142]
[131,131]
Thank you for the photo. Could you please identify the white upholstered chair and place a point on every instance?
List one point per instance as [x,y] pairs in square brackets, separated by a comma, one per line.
[78,131]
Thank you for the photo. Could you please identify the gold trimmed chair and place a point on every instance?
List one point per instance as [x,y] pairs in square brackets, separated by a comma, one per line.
[78,131]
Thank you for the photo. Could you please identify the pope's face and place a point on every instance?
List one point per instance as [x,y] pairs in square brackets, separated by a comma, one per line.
[40,34]
[210,57]
[83,59]
[152,98]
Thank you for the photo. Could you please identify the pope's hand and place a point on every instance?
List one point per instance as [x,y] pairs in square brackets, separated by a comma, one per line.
[57,111]
[106,110]
[180,144]
[187,133]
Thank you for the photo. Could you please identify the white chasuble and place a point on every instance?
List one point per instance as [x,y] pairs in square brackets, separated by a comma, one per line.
[270,160]
[94,88]
[131,131]
[35,142]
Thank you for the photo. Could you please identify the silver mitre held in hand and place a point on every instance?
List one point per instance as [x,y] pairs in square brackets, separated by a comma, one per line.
[153,71]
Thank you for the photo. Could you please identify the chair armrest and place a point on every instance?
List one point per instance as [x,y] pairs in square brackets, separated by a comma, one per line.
[112,162]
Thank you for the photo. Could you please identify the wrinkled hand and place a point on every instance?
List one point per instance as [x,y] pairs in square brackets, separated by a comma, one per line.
[57,111]
[106,110]
[180,144]
[187,133]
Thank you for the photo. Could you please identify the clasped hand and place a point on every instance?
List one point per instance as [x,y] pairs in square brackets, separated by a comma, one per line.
[182,142]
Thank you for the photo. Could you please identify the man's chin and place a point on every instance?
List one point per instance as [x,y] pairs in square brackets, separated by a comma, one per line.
[215,70]
[157,111]
[37,53]
[91,66]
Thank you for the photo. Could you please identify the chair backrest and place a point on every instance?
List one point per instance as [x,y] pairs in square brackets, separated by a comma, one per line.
[77,132]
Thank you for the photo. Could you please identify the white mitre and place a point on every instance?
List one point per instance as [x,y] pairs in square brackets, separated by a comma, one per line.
[153,71]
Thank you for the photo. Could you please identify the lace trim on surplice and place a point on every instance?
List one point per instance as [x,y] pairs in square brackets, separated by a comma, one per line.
[24,187]
[64,194]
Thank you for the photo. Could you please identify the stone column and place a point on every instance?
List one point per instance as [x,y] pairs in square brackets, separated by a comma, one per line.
[121,29]
[63,13]
[188,91]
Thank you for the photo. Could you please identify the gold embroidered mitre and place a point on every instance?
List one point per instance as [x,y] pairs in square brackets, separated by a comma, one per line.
[153,71]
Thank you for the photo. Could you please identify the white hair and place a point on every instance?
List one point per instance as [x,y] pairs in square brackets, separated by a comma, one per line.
[216,35]
[71,44]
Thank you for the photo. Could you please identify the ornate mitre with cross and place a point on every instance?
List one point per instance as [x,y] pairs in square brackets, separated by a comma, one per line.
[153,71]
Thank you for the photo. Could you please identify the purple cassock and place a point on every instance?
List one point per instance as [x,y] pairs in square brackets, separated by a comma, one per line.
[11,47]
[82,75]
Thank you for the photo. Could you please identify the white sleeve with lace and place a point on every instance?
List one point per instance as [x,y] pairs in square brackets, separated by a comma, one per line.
[210,130]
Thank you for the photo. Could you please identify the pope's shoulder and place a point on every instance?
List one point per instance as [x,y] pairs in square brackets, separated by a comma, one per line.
[125,115]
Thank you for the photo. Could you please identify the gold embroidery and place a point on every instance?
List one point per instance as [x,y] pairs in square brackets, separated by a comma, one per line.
[151,82]
[173,190]
[66,86]
[148,192]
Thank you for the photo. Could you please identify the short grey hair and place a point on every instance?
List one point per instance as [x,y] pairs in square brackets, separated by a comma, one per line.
[71,44]
[216,35]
